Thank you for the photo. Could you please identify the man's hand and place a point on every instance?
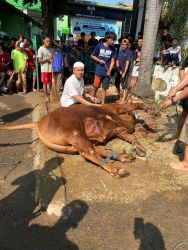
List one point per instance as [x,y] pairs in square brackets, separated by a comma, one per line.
[102,62]
[123,75]
[166,104]
[172,93]
[50,58]
[108,72]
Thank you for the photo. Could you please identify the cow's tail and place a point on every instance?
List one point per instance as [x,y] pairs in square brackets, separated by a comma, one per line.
[21,126]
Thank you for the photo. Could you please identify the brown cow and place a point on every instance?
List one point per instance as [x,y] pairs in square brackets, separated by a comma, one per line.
[80,128]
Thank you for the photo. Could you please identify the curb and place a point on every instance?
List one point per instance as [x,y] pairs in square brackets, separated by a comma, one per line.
[49,189]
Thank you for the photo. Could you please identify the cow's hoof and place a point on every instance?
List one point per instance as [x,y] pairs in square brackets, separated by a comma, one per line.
[119,173]
[140,151]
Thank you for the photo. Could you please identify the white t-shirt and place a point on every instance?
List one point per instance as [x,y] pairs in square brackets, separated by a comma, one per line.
[72,87]
[44,52]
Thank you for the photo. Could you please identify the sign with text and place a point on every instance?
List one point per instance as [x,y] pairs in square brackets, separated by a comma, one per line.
[80,24]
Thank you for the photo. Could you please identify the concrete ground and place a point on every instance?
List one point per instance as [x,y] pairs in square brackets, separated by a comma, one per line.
[86,207]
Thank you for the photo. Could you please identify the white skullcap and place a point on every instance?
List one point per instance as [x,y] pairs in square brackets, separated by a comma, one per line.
[78,65]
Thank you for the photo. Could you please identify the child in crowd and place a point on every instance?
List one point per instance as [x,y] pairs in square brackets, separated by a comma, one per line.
[19,58]
[5,60]
[172,55]
[58,65]
[135,71]
[10,81]
[175,53]
[31,68]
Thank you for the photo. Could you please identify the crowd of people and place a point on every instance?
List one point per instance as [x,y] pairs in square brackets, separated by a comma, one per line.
[18,67]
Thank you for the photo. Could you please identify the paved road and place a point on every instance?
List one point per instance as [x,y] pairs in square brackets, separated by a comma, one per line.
[145,211]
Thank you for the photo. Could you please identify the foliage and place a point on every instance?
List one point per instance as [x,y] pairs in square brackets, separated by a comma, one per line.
[60,7]
[175,16]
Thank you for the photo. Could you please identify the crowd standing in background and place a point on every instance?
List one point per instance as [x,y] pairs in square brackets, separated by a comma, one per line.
[110,58]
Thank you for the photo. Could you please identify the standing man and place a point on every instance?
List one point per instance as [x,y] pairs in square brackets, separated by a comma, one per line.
[123,63]
[104,54]
[45,59]
[73,92]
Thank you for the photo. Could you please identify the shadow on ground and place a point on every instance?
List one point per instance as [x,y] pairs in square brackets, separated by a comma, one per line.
[148,234]
[18,210]
[11,117]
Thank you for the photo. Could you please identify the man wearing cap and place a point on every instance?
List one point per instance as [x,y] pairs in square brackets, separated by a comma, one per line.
[73,92]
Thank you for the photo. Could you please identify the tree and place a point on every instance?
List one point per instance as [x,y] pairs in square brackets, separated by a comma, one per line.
[50,10]
[153,11]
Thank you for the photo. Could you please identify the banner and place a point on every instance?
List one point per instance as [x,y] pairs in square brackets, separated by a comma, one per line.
[80,24]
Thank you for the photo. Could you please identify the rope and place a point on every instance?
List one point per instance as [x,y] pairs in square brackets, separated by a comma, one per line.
[180,244]
[13,165]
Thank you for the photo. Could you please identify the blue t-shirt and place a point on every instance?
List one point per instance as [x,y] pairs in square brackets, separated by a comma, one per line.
[104,53]
[123,57]
[58,62]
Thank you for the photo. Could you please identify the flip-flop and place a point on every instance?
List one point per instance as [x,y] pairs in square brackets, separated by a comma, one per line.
[179,166]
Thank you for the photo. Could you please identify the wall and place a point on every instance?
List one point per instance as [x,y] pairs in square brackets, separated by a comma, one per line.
[12,24]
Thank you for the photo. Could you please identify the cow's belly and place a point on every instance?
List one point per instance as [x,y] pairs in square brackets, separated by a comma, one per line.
[99,130]
[52,135]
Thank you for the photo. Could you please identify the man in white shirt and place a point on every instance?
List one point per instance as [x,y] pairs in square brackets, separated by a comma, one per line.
[73,92]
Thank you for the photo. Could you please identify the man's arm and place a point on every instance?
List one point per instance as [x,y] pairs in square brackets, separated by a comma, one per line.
[111,66]
[10,79]
[82,100]
[179,86]
[96,59]
[126,68]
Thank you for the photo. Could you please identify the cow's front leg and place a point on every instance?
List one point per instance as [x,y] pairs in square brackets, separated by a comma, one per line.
[136,146]
[87,150]
[124,157]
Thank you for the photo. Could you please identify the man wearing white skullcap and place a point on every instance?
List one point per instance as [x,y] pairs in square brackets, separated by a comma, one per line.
[73,92]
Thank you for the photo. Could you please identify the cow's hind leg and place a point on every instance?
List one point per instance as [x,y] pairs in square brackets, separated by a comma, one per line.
[136,146]
[87,150]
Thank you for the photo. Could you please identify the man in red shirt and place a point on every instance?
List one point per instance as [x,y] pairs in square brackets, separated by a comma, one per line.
[5,60]
[31,68]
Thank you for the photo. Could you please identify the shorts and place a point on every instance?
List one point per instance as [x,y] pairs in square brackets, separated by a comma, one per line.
[184,132]
[104,80]
[125,83]
[46,77]
[184,103]
[31,73]
[135,71]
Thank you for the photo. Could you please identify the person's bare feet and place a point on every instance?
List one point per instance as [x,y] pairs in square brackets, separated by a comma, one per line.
[179,165]
[173,141]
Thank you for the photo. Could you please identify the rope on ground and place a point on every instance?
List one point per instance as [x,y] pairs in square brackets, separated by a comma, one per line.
[180,244]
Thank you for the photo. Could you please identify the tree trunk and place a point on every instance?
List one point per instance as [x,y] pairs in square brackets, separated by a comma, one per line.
[47,16]
[153,11]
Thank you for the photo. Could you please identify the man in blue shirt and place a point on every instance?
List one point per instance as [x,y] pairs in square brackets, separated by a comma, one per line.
[123,63]
[104,55]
